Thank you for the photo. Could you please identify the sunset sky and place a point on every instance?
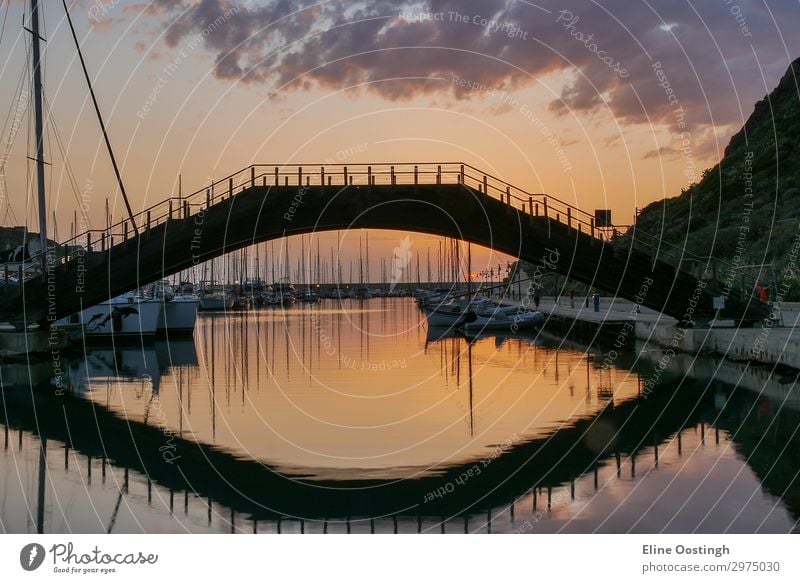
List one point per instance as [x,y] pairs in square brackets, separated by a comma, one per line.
[608,104]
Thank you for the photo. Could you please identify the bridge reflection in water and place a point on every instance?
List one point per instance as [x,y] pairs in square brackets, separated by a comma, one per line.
[359,420]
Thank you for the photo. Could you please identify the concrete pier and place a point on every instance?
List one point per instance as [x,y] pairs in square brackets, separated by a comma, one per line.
[618,320]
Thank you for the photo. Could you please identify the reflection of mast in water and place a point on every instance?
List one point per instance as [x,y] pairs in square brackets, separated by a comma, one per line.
[213,384]
[42,483]
[471,415]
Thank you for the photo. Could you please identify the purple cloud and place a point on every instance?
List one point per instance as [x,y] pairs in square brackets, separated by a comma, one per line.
[716,58]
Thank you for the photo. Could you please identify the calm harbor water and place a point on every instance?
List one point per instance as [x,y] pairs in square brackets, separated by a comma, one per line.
[354,417]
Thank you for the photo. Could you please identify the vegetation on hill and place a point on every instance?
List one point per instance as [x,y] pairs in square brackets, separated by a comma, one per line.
[746,209]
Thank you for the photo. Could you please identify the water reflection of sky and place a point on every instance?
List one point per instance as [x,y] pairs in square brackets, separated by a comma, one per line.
[355,397]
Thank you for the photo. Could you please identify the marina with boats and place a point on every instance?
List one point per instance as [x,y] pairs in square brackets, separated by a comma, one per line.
[401,346]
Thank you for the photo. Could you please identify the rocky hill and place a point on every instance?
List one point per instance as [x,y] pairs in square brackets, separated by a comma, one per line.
[746,209]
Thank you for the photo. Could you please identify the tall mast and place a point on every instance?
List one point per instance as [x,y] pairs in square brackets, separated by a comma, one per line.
[39,126]
[99,117]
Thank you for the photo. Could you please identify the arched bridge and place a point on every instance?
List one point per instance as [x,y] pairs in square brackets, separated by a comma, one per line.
[262,202]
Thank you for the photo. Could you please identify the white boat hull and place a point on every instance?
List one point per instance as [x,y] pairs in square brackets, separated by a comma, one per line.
[117,318]
[506,322]
[215,302]
[178,315]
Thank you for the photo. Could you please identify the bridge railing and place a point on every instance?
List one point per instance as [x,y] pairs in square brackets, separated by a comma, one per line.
[340,175]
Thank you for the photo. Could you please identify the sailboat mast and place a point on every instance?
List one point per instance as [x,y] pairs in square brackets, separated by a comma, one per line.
[39,127]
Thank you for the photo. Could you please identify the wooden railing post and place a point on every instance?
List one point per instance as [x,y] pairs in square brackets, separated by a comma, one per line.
[169,215]
[148,220]
[299,176]
[391,174]
[88,241]
[345,175]
[569,216]
[485,185]
[208,204]
[277,178]
[369,175]
[591,225]
[508,195]
[125,230]
[530,205]
[230,187]
[545,206]
[438,175]
[252,176]
[416,174]
[322,175]
[462,174]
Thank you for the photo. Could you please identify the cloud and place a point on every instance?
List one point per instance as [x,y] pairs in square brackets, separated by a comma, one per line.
[607,53]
